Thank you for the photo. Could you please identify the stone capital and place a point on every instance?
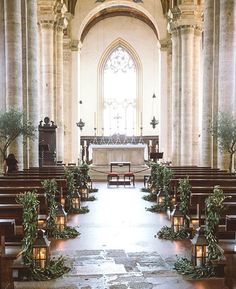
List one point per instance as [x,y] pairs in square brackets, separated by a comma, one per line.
[75,45]
[164,44]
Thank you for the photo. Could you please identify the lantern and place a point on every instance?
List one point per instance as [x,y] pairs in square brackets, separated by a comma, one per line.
[199,249]
[161,198]
[75,200]
[194,223]
[84,192]
[89,183]
[60,217]
[177,218]
[41,223]
[41,252]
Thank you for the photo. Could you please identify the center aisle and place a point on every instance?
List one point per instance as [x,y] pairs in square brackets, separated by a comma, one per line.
[117,248]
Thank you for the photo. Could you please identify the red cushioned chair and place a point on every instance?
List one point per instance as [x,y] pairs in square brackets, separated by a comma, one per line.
[130,176]
[112,175]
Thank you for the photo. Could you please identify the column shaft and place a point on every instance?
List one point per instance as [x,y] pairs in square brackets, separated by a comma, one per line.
[196,96]
[59,94]
[47,29]
[13,52]
[2,59]
[187,35]
[175,98]
[32,77]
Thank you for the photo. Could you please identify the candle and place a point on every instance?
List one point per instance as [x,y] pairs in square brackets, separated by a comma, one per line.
[150,142]
[141,118]
[85,143]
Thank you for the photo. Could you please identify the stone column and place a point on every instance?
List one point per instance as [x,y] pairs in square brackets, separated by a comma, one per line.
[187,37]
[32,77]
[47,32]
[59,89]
[196,96]
[74,99]
[175,97]
[67,100]
[2,59]
[227,46]
[13,50]
[208,83]
[165,115]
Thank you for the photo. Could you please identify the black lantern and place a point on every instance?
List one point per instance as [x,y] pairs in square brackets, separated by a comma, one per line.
[177,219]
[154,122]
[161,198]
[75,200]
[84,191]
[80,124]
[60,217]
[41,252]
[199,248]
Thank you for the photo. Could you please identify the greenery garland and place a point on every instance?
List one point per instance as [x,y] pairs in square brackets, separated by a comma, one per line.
[214,210]
[167,174]
[55,269]
[156,209]
[150,197]
[145,190]
[185,267]
[30,205]
[50,187]
[70,188]
[82,210]
[184,190]
[168,233]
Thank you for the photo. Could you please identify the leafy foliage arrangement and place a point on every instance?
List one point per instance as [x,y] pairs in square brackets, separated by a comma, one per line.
[223,128]
[214,210]
[13,123]
[70,188]
[167,176]
[50,187]
[185,267]
[150,197]
[156,208]
[184,190]
[56,267]
[82,210]
[168,233]
[30,205]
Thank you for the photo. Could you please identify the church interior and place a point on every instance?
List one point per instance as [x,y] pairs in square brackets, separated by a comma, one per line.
[117,144]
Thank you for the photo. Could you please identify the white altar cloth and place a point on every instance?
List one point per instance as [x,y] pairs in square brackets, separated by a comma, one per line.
[104,154]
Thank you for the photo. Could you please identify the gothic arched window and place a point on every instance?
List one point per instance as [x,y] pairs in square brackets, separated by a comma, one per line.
[120,91]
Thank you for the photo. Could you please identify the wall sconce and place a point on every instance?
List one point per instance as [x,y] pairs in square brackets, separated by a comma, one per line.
[80,124]
[154,122]
[41,252]
[199,249]
[177,219]
[60,217]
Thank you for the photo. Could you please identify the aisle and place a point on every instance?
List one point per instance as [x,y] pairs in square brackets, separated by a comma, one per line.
[117,248]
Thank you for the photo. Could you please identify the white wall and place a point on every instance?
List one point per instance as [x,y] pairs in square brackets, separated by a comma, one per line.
[143,41]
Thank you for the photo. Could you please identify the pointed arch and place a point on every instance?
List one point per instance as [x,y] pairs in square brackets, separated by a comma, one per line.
[119,42]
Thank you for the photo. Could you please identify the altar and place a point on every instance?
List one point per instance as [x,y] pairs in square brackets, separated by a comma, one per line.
[105,154]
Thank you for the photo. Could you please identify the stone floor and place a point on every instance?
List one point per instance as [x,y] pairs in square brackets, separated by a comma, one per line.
[117,248]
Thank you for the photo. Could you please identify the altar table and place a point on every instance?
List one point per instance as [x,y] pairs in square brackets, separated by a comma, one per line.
[105,154]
